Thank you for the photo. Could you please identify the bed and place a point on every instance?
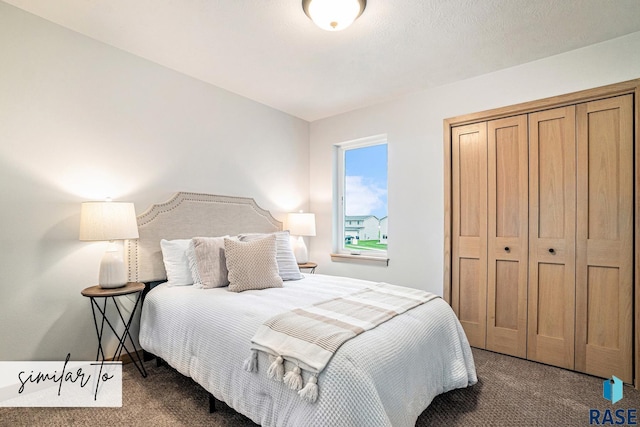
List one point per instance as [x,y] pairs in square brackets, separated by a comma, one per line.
[385,376]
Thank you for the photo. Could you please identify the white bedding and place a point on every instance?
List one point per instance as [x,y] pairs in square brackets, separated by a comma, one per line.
[384,377]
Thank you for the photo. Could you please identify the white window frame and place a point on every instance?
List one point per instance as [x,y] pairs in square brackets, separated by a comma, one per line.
[339,150]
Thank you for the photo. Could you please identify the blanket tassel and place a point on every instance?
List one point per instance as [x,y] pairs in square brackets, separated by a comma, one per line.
[276,370]
[310,391]
[251,363]
[293,379]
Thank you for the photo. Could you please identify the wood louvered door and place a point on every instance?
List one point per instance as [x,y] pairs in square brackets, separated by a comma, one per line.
[508,250]
[552,225]
[604,271]
[469,230]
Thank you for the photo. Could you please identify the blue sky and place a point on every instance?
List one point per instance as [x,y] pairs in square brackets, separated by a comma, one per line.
[366,181]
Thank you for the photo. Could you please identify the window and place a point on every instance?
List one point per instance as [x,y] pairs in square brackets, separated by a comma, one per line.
[360,197]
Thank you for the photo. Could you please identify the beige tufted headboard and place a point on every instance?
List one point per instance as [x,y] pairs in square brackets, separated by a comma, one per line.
[188,215]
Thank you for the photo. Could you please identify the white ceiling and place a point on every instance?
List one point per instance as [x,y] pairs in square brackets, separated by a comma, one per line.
[271,52]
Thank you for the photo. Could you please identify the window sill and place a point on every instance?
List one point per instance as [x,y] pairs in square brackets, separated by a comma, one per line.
[360,259]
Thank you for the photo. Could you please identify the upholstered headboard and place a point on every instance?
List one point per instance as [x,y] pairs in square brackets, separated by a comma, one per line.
[188,215]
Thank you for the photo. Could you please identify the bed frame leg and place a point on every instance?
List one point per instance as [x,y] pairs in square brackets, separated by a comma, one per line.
[212,404]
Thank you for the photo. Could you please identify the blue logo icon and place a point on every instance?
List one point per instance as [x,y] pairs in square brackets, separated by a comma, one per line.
[612,389]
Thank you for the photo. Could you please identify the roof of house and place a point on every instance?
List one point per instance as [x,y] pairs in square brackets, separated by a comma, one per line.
[358,217]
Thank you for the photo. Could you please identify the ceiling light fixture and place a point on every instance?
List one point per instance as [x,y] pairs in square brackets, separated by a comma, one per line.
[333,15]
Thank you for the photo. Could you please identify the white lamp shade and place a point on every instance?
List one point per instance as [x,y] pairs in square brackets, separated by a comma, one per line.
[333,15]
[108,221]
[302,224]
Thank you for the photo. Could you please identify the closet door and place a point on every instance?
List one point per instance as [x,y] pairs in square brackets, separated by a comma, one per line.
[508,225]
[552,199]
[469,230]
[604,275]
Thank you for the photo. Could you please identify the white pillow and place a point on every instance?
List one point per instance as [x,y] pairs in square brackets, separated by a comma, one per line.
[252,265]
[287,265]
[176,263]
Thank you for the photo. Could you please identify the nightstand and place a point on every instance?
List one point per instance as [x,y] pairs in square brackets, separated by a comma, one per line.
[94,293]
[311,266]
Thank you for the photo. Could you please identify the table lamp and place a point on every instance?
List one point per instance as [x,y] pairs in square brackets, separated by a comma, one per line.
[301,224]
[109,221]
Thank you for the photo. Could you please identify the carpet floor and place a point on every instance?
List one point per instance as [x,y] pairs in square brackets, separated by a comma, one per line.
[510,392]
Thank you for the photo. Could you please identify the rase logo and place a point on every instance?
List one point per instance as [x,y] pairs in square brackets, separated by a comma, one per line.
[612,390]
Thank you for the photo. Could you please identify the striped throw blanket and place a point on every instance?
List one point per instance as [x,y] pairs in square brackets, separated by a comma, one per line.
[308,337]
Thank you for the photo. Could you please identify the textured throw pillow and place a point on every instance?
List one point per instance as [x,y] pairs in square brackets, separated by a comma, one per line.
[252,265]
[193,266]
[287,265]
[207,261]
[176,264]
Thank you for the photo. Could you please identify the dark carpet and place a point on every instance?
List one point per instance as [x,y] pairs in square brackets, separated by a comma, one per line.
[510,392]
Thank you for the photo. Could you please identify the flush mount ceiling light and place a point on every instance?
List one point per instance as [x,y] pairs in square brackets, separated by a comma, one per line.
[333,15]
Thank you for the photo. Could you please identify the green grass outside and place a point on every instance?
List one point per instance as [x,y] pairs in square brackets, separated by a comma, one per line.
[367,245]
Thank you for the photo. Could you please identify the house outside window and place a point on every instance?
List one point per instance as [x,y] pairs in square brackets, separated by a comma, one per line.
[360,197]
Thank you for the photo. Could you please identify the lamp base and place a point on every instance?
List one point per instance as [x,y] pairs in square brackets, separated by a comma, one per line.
[300,251]
[112,271]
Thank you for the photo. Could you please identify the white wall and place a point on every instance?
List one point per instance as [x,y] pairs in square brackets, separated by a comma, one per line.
[80,120]
[414,125]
